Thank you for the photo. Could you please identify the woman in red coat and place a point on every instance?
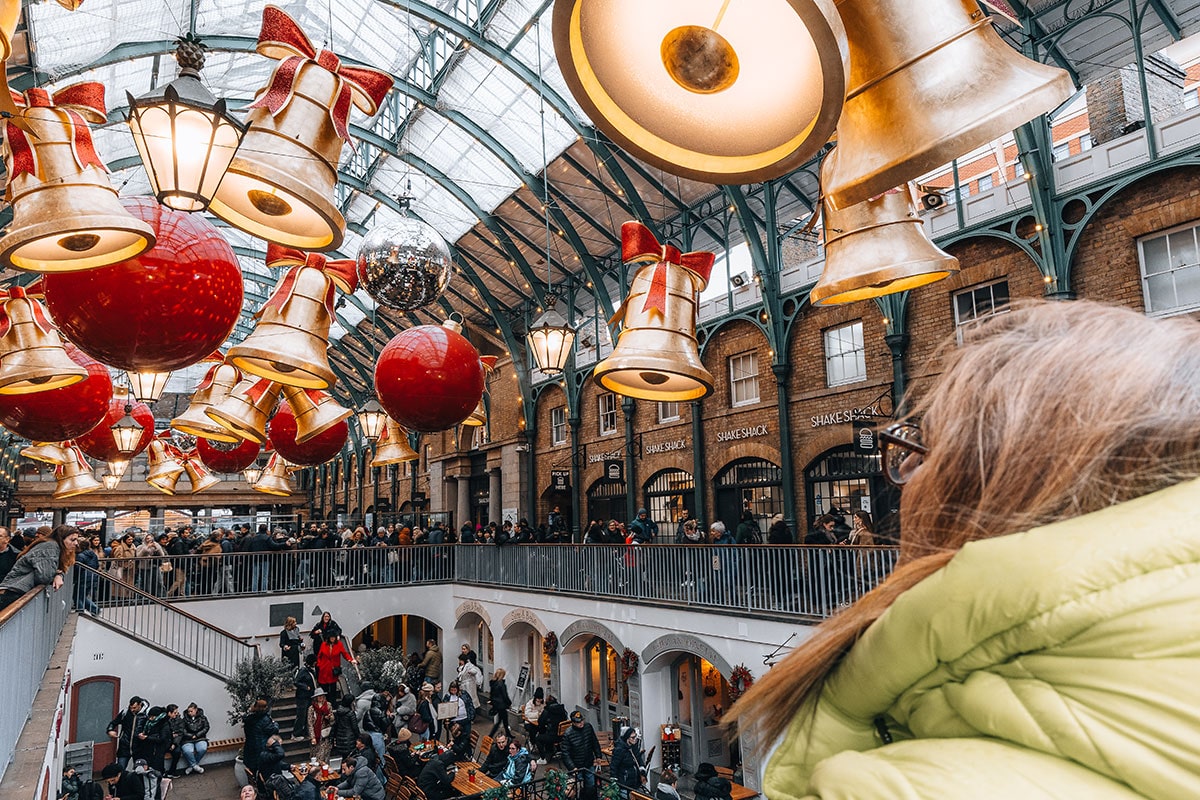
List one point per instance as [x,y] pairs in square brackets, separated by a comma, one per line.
[329,663]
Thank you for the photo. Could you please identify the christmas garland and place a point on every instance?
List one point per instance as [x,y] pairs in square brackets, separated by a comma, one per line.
[550,644]
[629,664]
[557,784]
[740,680]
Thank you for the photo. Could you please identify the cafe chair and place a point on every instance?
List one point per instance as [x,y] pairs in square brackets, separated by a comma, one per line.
[485,747]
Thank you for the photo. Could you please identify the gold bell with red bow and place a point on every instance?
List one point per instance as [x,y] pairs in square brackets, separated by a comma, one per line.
[47,452]
[393,446]
[32,357]
[165,465]
[198,475]
[878,247]
[66,215]
[478,417]
[275,479]
[657,356]
[244,413]
[909,109]
[280,185]
[75,476]
[315,410]
[217,384]
[290,342]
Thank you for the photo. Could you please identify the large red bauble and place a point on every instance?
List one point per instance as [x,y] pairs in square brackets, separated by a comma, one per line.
[429,378]
[317,450]
[168,308]
[227,457]
[99,442]
[60,414]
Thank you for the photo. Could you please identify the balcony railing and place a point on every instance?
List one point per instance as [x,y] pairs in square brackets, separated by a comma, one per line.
[795,580]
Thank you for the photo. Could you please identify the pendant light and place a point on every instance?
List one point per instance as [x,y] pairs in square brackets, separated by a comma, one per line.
[127,431]
[148,386]
[110,480]
[372,419]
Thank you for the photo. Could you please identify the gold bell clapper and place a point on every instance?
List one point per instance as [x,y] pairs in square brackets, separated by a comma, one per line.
[75,476]
[290,341]
[719,92]
[66,215]
[245,412]
[878,247]
[315,410]
[217,384]
[198,475]
[48,452]
[393,446]
[275,479]
[165,464]
[657,356]
[279,186]
[32,357]
[927,85]
[478,417]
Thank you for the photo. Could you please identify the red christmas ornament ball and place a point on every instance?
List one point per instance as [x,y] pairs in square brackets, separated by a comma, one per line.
[99,442]
[227,457]
[429,378]
[168,308]
[60,414]
[281,431]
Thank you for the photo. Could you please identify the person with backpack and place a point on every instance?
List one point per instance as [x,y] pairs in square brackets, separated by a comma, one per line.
[305,682]
[748,531]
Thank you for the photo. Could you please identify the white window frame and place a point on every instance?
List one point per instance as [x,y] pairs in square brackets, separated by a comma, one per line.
[743,379]
[607,406]
[961,325]
[1189,262]
[845,354]
[986,182]
[668,411]
[558,426]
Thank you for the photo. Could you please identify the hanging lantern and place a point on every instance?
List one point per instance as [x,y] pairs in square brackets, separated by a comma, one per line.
[275,479]
[127,431]
[198,474]
[371,419]
[47,452]
[550,339]
[184,135]
[227,457]
[164,310]
[32,358]
[66,215]
[280,185]
[165,465]
[289,344]
[218,382]
[404,264]
[721,93]
[148,386]
[315,449]
[252,474]
[63,413]
[657,356]
[479,415]
[878,247]
[908,109]
[110,481]
[101,442]
[393,447]
[74,477]
[315,410]
[118,467]
[446,367]
[244,413]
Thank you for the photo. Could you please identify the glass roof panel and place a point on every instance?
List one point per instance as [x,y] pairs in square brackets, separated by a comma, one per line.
[467,162]
[431,202]
[77,38]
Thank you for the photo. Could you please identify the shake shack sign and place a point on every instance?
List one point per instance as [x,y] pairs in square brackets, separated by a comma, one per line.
[847,415]
[749,432]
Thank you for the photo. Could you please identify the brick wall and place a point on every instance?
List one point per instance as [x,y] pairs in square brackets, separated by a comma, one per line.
[1115,101]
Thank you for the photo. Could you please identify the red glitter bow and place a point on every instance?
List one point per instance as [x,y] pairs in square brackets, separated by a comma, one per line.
[283,40]
[81,103]
[340,272]
[212,374]
[37,310]
[638,244]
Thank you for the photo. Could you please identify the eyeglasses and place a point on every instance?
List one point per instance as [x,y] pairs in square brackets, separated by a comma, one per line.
[903,451]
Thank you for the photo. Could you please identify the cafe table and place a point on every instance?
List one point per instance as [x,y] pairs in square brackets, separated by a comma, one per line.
[462,781]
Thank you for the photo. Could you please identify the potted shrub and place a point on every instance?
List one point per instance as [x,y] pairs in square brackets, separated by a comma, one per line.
[254,678]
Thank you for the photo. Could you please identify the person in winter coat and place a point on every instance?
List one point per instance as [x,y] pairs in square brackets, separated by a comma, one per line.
[497,758]
[45,560]
[309,788]
[121,785]
[709,785]
[580,751]
[305,682]
[627,766]
[517,773]
[375,724]
[779,532]
[345,728]
[329,663]
[405,704]
[126,727]
[401,752]
[1064,666]
[155,738]
[748,531]
[469,677]
[432,662]
[85,582]
[553,715]
[258,727]
[175,744]
[531,712]
[501,703]
[643,528]
[195,738]
[437,778]
[426,723]
[322,629]
[272,760]
[359,781]
[666,789]
[290,643]
[320,720]
[71,784]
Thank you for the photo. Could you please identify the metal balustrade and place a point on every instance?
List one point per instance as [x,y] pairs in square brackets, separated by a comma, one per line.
[795,580]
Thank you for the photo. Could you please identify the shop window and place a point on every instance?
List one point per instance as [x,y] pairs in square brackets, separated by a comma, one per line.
[668,412]
[1170,271]
[479,436]
[845,356]
[985,182]
[743,379]
[668,494]
[558,426]
[976,305]
[1191,98]
[1062,151]
[608,414]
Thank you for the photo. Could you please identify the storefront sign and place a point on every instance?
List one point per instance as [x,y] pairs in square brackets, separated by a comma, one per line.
[596,458]
[614,470]
[666,447]
[865,440]
[560,480]
[750,432]
[847,415]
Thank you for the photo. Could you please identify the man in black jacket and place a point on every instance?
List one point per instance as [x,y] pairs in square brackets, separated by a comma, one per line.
[122,785]
[497,758]
[437,779]
[552,716]
[126,729]
[581,752]
[305,682]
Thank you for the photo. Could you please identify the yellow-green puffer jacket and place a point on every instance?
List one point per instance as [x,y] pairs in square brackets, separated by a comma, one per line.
[1059,663]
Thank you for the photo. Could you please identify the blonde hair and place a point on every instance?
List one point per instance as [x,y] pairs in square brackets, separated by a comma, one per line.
[499,674]
[1051,411]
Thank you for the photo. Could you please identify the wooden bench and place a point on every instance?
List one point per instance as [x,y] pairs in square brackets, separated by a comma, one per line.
[220,745]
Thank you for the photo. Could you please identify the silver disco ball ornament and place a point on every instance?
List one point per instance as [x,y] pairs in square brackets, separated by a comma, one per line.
[404,264]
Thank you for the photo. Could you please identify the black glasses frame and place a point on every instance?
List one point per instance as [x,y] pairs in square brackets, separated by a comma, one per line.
[893,436]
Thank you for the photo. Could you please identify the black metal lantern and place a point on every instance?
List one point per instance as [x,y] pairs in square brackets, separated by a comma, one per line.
[372,418]
[127,431]
[550,340]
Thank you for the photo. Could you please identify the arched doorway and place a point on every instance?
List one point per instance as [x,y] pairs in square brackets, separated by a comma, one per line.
[606,499]
[591,670]
[475,632]
[701,695]
[668,493]
[749,483]
[844,480]
[409,633]
[522,644]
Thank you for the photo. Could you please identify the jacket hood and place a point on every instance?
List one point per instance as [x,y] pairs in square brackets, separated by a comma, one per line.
[1054,663]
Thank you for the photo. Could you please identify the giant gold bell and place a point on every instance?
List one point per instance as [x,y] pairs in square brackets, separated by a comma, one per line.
[393,447]
[199,475]
[245,412]
[275,479]
[878,247]
[478,417]
[657,356]
[289,344]
[47,452]
[32,358]
[165,468]
[926,86]
[315,411]
[216,386]
[75,476]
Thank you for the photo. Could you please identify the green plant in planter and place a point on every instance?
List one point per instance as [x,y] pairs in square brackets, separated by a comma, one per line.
[556,784]
[382,667]
[611,790]
[254,678]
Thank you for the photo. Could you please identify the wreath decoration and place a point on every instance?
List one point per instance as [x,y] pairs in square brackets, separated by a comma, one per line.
[740,680]
[629,664]
[550,644]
